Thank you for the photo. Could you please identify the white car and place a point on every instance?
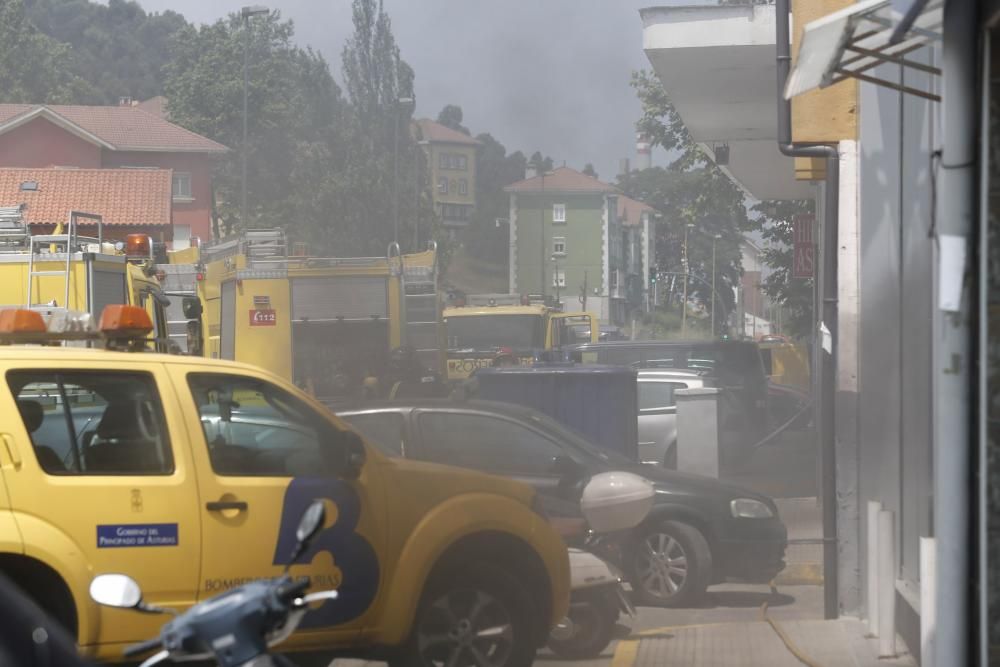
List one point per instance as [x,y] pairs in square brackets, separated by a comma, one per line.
[658,413]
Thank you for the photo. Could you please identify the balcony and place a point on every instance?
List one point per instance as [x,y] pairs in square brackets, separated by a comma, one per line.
[717,64]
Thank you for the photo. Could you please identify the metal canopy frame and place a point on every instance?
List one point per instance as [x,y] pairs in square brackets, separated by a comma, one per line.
[851,42]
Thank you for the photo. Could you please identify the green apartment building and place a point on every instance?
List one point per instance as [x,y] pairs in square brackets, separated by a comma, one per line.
[577,238]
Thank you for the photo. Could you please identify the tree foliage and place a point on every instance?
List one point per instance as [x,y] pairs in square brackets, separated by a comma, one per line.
[293,111]
[495,169]
[117,48]
[34,68]
[451,116]
[693,191]
[794,294]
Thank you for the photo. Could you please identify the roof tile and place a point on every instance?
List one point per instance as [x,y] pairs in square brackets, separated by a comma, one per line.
[120,196]
[562,179]
[126,128]
[436,132]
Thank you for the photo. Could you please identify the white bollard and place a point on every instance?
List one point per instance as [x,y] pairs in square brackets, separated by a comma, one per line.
[874,507]
[887,585]
[928,592]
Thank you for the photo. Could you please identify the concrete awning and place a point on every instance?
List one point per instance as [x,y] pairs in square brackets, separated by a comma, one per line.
[717,65]
[853,41]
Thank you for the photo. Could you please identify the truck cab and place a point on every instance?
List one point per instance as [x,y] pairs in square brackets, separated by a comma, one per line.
[484,326]
[189,474]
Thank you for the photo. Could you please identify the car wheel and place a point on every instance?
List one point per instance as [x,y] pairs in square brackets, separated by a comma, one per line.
[670,565]
[481,617]
[593,619]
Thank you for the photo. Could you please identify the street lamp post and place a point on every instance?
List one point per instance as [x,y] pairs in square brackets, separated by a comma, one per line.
[401,103]
[417,156]
[245,14]
[687,271]
[555,278]
[714,240]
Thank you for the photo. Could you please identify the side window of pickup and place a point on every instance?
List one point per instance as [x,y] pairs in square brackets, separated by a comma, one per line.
[253,428]
[93,422]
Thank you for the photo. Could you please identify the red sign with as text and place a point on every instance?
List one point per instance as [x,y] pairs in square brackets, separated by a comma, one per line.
[263,318]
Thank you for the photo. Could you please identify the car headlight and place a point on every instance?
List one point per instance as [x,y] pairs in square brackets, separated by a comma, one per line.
[748,508]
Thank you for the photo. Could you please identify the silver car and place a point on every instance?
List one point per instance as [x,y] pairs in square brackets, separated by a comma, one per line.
[658,413]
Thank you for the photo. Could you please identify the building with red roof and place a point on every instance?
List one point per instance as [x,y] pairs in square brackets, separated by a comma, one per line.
[452,159]
[107,144]
[578,238]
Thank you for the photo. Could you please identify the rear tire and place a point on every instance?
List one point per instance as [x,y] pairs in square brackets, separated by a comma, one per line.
[669,565]
[594,616]
[480,611]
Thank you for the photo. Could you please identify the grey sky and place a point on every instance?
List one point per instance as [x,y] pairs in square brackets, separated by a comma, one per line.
[549,75]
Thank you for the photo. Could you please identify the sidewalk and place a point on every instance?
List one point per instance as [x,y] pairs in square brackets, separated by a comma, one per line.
[839,643]
[804,521]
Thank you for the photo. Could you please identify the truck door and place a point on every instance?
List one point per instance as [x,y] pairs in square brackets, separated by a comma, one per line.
[100,478]
[262,456]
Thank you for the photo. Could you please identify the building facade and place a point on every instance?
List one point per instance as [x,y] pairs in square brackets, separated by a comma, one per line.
[451,156]
[116,139]
[576,238]
[909,246]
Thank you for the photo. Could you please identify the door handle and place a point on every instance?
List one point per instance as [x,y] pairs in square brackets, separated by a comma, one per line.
[10,447]
[220,505]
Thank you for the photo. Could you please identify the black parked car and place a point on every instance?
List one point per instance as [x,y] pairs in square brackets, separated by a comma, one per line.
[700,531]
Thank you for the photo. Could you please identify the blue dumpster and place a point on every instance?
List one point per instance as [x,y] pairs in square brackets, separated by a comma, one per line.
[600,402]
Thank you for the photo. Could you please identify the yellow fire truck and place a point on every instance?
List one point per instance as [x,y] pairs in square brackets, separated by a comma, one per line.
[323,323]
[69,271]
[483,326]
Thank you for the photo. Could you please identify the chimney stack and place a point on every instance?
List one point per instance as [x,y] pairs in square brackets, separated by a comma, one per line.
[644,153]
[530,171]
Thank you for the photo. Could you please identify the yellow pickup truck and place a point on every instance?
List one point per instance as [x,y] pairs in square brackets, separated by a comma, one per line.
[189,475]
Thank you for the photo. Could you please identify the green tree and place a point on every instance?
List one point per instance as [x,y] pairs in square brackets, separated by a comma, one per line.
[34,68]
[495,170]
[691,190]
[294,112]
[117,48]
[589,170]
[375,79]
[451,116]
[795,295]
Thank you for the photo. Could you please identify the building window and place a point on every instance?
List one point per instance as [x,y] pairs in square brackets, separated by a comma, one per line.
[559,278]
[559,213]
[455,161]
[443,185]
[463,186]
[559,245]
[455,212]
[182,186]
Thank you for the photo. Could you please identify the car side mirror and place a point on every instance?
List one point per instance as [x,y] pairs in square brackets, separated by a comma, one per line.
[351,455]
[192,307]
[565,466]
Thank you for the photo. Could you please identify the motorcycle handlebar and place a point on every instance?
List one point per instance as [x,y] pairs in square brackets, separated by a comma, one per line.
[293,589]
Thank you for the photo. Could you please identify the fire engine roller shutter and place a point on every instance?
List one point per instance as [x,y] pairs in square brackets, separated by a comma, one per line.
[106,287]
[333,298]
[227,330]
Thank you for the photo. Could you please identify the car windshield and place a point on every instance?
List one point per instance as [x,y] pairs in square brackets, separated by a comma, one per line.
[490,332]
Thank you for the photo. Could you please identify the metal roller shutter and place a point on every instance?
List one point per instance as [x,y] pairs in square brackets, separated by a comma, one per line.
[332,298]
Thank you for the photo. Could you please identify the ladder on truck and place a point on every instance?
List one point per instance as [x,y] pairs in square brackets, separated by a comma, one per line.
[420,303]
[70,242]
